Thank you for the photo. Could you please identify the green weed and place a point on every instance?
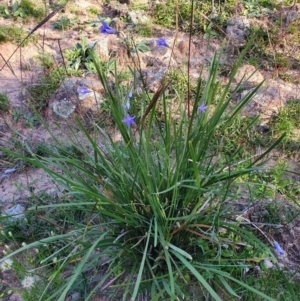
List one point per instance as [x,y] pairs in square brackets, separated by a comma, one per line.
[27,118]
[178,83]
[274,282]
[143,29]
[40,93]
[166,14]
[93,11]
[287,120]
[15,35]
[24,9]
[4,103]
[80,57]
[46,61]
[65,23]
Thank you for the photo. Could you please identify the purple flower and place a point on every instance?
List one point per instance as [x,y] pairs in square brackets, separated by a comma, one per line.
[9,171]
[129,120]
[83,90]
[106,29]
[278,249]
[259,152]
[127,105]
[130,94]
[202,108]
[162,42]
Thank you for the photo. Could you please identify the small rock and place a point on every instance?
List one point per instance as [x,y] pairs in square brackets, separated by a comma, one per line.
[15,212]
[249,76]
[159,50]
[118,8]
[183,48]
[150,61]
[15,297]
[67,97]
[154,77]
[292,14]
[257,269]
[63,108]
[90,101]
[101,47]
[82,3]
[138,17]
[270,98]
[268,264]
[263,128]
[237,30]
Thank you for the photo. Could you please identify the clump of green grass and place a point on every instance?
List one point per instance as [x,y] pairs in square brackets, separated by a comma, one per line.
[46,60]
[30,9]
[287,120]
[2,10]
[65,23]
[275,282]
[178,82]
[143,29]
[24,9]
[156,212]
[92,11]
[40,93]
[166,14]
[15,35]
[4,103]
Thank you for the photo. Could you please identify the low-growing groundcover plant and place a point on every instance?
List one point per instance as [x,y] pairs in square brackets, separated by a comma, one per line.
[156,208]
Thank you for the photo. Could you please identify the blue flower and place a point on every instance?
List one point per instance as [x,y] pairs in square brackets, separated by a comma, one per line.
[162,42]
[259,152]
[9,171]
[278,249]
[83,90]
[130,94]
[129,120]
[106,29]
[127,105]
[202,108]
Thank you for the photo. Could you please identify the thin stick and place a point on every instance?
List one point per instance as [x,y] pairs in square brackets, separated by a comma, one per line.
[189,58]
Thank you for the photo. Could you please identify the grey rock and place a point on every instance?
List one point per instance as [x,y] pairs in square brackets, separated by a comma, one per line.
[67,96]
[292,16]
[82,3]
[183,48]
[15,297]
[267,263]
[248,76]
[138,17]
[118,8]
[63,108]
[159,51]
[270,98]
[15,212]
[90,101]
[101,47]
[237,30]
[154,77]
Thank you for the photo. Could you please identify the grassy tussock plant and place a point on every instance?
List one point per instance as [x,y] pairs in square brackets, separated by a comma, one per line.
[158,221]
